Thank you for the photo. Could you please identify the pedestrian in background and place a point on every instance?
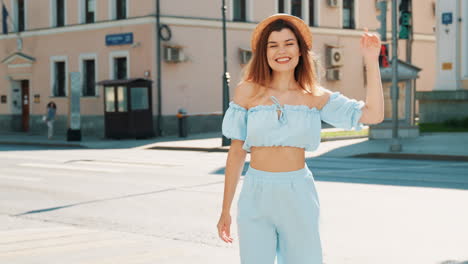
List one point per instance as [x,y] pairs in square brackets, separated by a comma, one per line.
[276,115]
[50,118]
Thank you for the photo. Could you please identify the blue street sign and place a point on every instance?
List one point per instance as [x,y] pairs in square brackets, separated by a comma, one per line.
[119,39]
[447,18]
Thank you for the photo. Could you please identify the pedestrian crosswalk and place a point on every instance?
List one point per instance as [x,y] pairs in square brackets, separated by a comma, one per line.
[97,166]
[73,245]
[69,167]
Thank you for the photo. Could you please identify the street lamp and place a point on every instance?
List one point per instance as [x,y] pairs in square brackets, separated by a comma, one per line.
[395,145]
[226,76]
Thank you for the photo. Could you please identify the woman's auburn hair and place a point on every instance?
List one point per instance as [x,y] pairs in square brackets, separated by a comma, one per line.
[258,71]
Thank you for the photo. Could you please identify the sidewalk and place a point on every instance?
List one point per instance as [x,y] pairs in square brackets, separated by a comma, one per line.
[203,142]
[434,146]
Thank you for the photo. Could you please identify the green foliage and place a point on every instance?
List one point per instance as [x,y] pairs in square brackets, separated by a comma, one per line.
[455,123]
[335,134]
[450,125]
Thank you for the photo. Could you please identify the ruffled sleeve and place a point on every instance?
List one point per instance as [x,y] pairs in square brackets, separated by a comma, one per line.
[342,112]
[234,124]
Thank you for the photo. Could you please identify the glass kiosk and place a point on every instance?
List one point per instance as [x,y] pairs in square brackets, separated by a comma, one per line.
[128,108]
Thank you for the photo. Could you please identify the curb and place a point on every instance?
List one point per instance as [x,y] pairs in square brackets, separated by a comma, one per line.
[45,144]
[226,149]
[412,156]
[217,149]
[182,148]
[341,138]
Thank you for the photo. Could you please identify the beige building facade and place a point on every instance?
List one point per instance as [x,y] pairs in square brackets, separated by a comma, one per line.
[116,39]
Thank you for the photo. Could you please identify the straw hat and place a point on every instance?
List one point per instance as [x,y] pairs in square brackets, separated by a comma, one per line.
[301,26]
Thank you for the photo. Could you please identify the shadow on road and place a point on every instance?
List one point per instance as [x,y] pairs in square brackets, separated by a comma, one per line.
[43,210]
[411,173]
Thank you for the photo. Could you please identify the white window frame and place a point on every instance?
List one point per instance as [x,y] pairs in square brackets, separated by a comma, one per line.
[118,54]
[356,21]
[90,56]
[82,11]
[316,14]
[53,60]
[285,6]
[113,9]
[356,13]
[305,10]
[53,13]
[15,10]
[248,11]
[302,8]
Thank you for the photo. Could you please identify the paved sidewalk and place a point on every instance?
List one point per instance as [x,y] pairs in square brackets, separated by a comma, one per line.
[435,146]
[202,141]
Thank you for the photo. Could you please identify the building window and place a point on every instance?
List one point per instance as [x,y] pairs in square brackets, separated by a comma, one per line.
[21,15]
[59,80]
[311,13]
[60,13]
[281,6]
[89,77]
[121,9]
[348,14]
[239,10]
[296,8]
[90,9]
[120,68]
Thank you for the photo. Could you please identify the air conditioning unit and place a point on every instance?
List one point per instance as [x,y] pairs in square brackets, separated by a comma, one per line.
[334,74]
[245,55]
[332,3]
[174,54]
[334,57]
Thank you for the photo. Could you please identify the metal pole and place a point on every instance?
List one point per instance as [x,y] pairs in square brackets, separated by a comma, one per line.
[158,66]
[395,145]
[225,141]
[409,95]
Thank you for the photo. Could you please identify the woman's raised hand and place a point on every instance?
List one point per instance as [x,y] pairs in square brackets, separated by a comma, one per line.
[370,45]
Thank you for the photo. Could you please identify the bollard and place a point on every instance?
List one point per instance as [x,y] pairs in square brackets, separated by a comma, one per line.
[182,115]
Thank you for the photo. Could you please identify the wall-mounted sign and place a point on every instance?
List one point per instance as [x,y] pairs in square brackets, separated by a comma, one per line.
[447,18]
[446,66]
[119,39]
[3,99]
[37,98]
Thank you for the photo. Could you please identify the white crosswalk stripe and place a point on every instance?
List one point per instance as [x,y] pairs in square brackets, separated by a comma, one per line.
[20,178]
[68,167]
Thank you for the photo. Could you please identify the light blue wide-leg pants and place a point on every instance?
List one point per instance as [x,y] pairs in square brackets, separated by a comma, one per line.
[278,216]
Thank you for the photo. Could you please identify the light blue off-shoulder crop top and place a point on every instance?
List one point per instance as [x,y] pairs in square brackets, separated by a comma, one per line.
[295,125]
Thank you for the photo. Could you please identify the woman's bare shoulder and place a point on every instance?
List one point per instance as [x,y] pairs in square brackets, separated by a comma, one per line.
[320,97]
[243,93]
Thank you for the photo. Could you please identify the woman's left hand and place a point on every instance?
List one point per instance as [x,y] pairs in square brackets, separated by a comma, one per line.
[370,45]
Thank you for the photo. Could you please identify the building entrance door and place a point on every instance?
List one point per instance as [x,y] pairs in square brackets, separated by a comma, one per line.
[25,101]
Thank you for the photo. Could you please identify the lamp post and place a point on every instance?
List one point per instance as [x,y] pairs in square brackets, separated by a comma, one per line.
[226,76]
[158,67]
[395,145]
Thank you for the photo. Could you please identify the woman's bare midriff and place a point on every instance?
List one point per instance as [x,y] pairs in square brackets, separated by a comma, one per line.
[277,159]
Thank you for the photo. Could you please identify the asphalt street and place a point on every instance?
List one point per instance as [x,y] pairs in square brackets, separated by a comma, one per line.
[60,205]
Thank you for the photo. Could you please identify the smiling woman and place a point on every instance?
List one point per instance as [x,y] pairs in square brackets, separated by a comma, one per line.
[276,115]
[279,39]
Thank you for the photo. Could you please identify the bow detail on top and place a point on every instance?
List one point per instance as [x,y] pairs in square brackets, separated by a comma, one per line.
[282,118]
